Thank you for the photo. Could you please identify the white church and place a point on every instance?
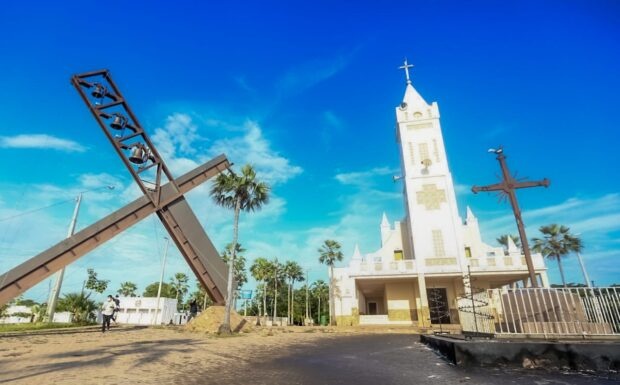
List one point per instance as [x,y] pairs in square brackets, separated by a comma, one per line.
[427,255]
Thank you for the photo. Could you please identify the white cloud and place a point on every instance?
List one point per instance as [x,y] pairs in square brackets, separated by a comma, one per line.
[253,148]
[365,178]
[309,74]
[40,141]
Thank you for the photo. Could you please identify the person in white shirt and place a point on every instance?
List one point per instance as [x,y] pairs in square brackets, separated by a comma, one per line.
[107,310]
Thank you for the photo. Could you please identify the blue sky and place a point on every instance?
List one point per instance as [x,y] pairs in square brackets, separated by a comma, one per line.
[306,92]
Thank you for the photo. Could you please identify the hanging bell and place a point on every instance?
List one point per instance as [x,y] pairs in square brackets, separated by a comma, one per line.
[119,122]
[138,155]
[99,91]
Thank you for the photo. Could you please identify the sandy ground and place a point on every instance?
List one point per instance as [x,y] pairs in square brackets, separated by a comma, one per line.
[141,356]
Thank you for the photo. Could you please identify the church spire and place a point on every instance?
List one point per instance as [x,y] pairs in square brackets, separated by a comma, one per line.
[384,221]
[356,252]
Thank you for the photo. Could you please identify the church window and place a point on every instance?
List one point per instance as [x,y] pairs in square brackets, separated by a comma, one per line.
[398,255]
[435,150]
[438,243]
[468,252]
[423,147]
[411,152]
[417,115]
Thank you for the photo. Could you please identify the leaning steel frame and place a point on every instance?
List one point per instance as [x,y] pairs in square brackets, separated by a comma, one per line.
[163,195]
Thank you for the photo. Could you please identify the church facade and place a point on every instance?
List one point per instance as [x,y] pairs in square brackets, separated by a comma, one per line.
[432,257]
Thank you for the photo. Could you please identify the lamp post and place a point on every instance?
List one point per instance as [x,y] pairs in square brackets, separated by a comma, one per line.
[55,292]
[161,279]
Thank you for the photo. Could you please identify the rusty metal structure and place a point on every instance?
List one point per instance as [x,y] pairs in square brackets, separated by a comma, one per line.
[163,196]
[507,188]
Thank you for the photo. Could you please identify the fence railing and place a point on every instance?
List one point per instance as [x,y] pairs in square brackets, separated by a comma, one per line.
[544,311]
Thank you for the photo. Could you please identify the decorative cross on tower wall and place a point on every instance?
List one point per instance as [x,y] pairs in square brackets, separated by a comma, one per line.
[163,196]
[431,197]
[508,187]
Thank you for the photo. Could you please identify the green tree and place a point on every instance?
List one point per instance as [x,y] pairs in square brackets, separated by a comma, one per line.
[240,193]
[180,287]
[95,284]
[320,291]
[240,275]
[293,273]
[128,289]
[276,274]
[557,242]
[167,290]
[79,305]
[260,270]
[329,254]
[201,296]
[38,311]
[503,241]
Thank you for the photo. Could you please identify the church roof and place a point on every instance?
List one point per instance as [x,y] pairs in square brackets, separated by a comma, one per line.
[414,99]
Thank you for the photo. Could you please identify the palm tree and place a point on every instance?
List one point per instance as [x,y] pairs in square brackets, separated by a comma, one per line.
[79,305]
[293,272]
[277,272]
[179,285]
[503,241]
[128,289]
[237,192]
[260,271]
[556,243]
[330,254]
[320,290]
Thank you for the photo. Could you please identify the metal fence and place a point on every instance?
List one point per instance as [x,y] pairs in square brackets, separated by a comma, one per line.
[543,311]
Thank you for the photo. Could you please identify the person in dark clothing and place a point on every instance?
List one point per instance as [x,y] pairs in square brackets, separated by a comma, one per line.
[117,307]
[193,309]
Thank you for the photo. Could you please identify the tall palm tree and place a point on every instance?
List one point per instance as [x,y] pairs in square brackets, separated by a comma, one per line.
[180,284]
[503,241]
[329,254]
[260,270]
[277,273]
[128,289]
[556,243]
[320,290]
[241,193]
[293,273]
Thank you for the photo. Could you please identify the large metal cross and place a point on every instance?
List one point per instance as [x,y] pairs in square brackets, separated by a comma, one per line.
[163,195]
[508,187]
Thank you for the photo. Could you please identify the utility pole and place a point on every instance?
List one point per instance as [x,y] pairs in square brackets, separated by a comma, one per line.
[53,298]
[507,188]
[161,279]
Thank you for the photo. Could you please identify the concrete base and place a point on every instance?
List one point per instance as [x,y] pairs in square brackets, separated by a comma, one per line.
[575,355]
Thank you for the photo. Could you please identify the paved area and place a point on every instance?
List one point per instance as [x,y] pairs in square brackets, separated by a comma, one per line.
[265,356]
[382,360]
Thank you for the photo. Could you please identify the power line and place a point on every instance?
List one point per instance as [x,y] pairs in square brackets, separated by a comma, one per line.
[35,210]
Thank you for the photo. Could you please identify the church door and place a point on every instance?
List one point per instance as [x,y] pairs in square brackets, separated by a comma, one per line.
[372,308]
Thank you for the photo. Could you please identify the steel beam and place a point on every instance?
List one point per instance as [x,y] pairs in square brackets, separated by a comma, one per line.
[177,217]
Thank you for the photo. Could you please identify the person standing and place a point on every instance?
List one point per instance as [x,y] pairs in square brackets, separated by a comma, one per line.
[117,307]
[193,309]
[107,310]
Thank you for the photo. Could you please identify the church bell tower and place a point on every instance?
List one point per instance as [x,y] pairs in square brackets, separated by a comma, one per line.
[431,211]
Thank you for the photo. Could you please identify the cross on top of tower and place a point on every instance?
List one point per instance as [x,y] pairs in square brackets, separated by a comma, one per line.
[406,67]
